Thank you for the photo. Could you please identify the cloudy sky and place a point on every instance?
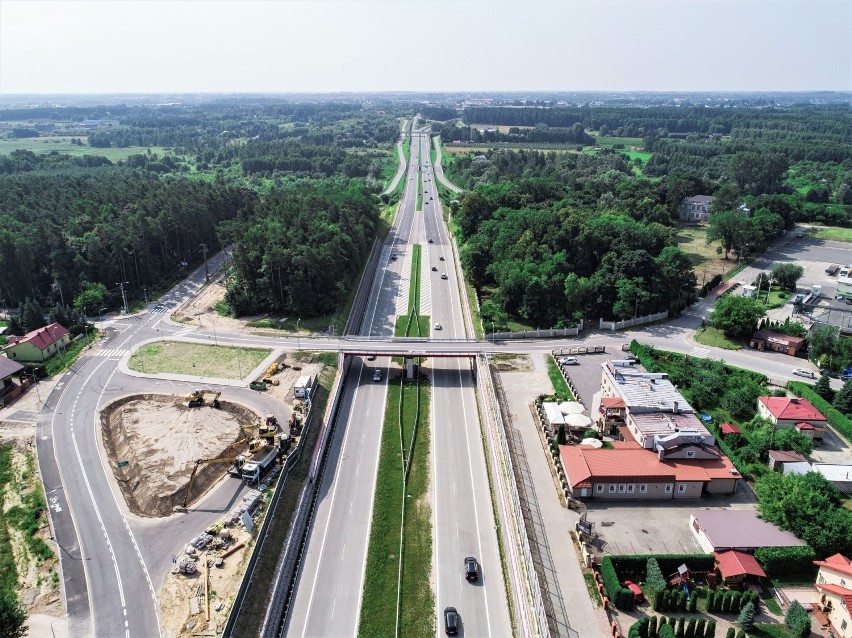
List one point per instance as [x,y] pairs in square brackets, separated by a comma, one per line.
[222,46]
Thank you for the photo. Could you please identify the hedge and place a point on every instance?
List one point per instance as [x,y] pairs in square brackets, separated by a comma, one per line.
[710,285]
[634,567]
[836,418]
[620,596]
[779,562]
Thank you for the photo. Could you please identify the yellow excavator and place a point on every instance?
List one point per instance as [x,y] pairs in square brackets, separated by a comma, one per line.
[238,461]
[197,398]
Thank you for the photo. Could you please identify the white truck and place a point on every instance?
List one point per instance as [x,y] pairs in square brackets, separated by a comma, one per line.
[261,461]
[844,288]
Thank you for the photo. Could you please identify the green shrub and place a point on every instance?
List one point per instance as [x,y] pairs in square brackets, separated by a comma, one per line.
[700,628]
[797,620]
[746,617]
[711,598]
[679,627]
[741,634]
[710,631]
[781,562]
[692,603]
[736,597]
[689,632]
[652,626]
[659,601]
[654,579]
[666,631]
[731,633]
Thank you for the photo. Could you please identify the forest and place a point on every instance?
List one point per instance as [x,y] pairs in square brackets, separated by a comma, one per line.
[290,186]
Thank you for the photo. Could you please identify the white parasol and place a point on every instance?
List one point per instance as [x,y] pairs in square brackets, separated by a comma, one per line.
[578,420]
[571,407]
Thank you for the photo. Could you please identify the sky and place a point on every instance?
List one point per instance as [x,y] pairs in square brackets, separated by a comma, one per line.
[129,46]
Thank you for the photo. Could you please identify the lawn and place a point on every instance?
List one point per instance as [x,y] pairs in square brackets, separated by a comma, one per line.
[60,362]
[608,142]
[417,604]
[831,233]
[774,298]
[43,145]
[766,630]
[177,357]
[706,262]
[713,337]
[563,392]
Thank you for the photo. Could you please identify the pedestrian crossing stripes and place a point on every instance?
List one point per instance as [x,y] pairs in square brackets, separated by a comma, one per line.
[699,352]
[425,286]
[159,309]
[404,285]
[115,352]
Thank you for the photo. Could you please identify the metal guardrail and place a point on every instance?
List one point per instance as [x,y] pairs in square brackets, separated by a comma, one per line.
[355,320]
[293,555]
[532,621]
[248,575]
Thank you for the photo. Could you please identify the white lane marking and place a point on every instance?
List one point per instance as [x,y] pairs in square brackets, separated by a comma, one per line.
[435,534]
[92,496]
[331,506]
[115,498]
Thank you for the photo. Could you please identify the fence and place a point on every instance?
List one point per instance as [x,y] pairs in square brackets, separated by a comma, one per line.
[537,334]
[629,323]
[359,306]
[524,580]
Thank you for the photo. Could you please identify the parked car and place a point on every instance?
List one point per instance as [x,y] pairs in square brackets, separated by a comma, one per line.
[846,374]
[451,621]
[471,569]
[630,357]
[377,375]
[568,361]
[829,373]
[638,596]
[801,372]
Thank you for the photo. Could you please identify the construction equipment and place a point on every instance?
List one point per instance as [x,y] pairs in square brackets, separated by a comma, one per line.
[197,398]
[253,470]
[272,369]
[238,462]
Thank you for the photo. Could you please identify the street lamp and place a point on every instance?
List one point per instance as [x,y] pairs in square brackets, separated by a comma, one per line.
[298,337]
[492,332]
[100,314]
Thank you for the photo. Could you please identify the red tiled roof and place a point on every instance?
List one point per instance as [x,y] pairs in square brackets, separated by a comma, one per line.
[804,426]
[792,409]
[844,594]
[837,562]
[730,428]
[734,563]
[626,434]
[613,402]
[41,338]
[629,444]
[637,464]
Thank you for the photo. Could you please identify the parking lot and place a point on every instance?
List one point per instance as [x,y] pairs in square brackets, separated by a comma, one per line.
[586,376]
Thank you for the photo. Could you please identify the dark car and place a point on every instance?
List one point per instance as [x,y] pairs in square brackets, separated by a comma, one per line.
[471,569]
[451,621]
[431,241]
[444,276]
[434,269]
[441,258]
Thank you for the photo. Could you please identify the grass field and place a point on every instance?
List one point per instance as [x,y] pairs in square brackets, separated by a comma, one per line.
[63,145]
[563,392]
[831,233]
[713,337]
[612,141]
[706,261]
[417,603]
[176,357]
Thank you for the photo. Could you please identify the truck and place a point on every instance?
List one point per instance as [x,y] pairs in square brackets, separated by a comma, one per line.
[844,287]
[261,461]
[832,269]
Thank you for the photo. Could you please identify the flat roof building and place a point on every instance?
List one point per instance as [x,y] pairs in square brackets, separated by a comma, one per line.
[720,530]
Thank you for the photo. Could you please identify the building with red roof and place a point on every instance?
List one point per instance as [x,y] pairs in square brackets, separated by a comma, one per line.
[729,428]
[834,583]
[735,567]
[38,345]
[793,412]
[631,472]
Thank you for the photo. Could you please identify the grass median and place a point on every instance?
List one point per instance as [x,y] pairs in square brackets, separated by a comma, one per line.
[417,603]
[196,359]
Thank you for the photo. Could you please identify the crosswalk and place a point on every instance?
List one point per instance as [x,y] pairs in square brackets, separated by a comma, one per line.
[699,352]
[159,309]
[114,352]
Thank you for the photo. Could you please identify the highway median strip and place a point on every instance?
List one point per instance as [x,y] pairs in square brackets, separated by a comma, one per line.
[401,518]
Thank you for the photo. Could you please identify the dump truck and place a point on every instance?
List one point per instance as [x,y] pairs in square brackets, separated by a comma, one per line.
[197,398]
[261,461]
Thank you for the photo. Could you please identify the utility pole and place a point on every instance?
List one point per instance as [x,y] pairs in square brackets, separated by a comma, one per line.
[124,294]
[206,272]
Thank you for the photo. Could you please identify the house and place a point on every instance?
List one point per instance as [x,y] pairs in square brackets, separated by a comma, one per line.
[729,428]
[38,345]
[787,462]
[736,567]
[8,388]
[793,412]
[630,472]
[653,408]
[777,342]
[834,583]
[696,208]
[742,530]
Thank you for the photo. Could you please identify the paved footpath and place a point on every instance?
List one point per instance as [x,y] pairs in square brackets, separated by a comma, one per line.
[520,389]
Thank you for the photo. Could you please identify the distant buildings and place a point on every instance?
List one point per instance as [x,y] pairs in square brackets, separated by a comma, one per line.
[696,208]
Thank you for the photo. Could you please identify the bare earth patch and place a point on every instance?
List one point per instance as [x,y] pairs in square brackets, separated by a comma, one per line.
[156,440]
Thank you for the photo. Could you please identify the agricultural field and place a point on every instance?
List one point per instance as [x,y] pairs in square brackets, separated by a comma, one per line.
[44,145]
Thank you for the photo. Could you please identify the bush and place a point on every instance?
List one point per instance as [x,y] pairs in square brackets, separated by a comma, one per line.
[652,626]
[689,632]
[746,617]
[659,601]
[700,628]
[666,632]
[731,633]
[780,562]
[654,579]
[710,631]
[736,604]
[690,605]
[711,599]
[679,627]
[797,620]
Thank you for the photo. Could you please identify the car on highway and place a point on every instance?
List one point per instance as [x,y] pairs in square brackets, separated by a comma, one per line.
[431,241]
[471,569]
[451,621]
[371,357]
[801,372]
[638,596]
[377,375]
[438,326]
[434,269]
[443,275]
[441,258]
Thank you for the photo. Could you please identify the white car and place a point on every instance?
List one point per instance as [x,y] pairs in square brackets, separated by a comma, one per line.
[804,373]
[438,326]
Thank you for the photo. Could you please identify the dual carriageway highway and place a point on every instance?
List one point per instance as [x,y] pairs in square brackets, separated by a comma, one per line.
[113,562]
